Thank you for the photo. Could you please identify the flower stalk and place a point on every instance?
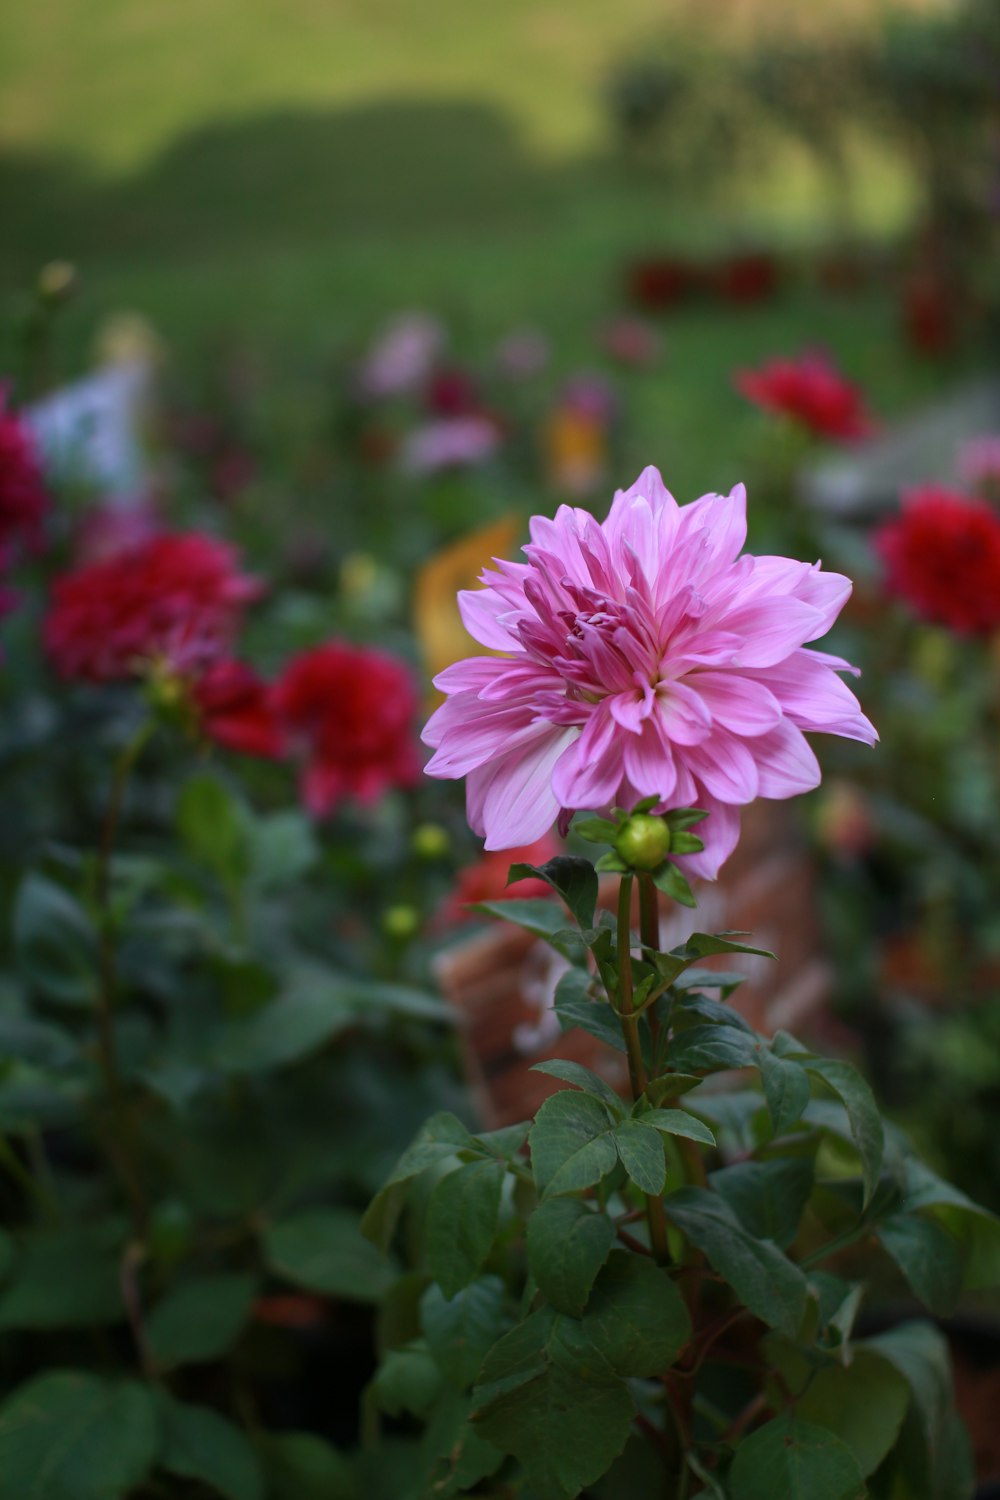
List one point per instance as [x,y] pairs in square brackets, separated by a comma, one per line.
[636,1063]
[121,1143]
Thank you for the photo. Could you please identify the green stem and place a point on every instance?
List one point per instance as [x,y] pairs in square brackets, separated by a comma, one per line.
[633,1044]
[121,1143]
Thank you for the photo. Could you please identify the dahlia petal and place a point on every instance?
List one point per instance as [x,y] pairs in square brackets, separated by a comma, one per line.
[519,804]
[786,764]
[473,673]
[813,696]
[726,767]
[649,764]
[721,521]
[771,628]
[826,592]
[630,710]
[683,714]
[590,769]
[481,611]
[466,734]
[737,703]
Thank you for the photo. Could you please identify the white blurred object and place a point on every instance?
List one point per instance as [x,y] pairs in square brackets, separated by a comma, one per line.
[90,431]
[919,450]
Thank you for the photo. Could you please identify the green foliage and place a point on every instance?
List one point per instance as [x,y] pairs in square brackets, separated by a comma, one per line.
[199,1444]
[54,943]
[73,1435]
[323,1250]
[200,1319]
[798,1461]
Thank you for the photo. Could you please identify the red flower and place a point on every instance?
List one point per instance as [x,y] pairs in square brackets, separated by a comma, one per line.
[486,880]
[661,282]
[747,278]
[942,555]
[348,715]
[23,496]
[236,710]
[811,392]
[173,600]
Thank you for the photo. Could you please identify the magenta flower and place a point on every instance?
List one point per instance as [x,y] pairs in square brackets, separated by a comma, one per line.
[642,657]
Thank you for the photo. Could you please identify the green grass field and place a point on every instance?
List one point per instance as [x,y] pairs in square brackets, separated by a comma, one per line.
[290,171]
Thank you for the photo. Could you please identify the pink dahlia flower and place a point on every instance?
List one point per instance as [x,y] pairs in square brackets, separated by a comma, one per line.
[642,657]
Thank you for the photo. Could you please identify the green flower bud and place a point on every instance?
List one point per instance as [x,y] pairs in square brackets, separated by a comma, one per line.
[643,841]
[401,922]
[430,841]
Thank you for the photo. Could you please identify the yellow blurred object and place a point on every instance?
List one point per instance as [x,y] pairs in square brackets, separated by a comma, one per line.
[438,624]
[57,280]
[576,450]
[358,575]
[127,338]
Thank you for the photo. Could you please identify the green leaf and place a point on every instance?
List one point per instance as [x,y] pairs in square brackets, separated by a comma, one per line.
[575,1073]
[436,1140]
[571,1145]
[283,848]
[919,1352]
[791,1460]
[55,945]
[302,1466]
[862,1112]
[679,1122]
[565,1426]
[456,1458]
[306,1016]
[763,1278]
[6,1254]
[709,979]
[674,883]
[66,1278]
[596,830]
[39,1043]
[863,1402]
[544,918]
[462,1222]
[461,1331]
[640,1151]
[768,1197]
[568,1243]
[213,827]
[200,1444]
[407,1380]
[324,1251]
[711,1049]
[575,1006]
[685,817]
[200,1319]
[573,878]
[928,1257]
[786,1088]
[636,1318]
[67,1435]
[670,1085]
[975,1228]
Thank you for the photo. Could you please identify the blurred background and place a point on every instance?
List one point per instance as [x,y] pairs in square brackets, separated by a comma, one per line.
[360,285]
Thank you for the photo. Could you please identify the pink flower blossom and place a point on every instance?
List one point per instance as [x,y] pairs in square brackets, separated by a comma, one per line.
[642,656]
[402,357]
[449,443]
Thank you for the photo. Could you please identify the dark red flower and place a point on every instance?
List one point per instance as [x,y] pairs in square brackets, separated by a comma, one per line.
[661,282]
[24,499]
[942,556]
[810,391]
[929,315]
[236,710]
[451,392]
[747,278]
[173,601]
[348,713]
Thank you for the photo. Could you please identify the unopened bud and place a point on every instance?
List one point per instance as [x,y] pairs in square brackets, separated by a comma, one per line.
[643,841]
